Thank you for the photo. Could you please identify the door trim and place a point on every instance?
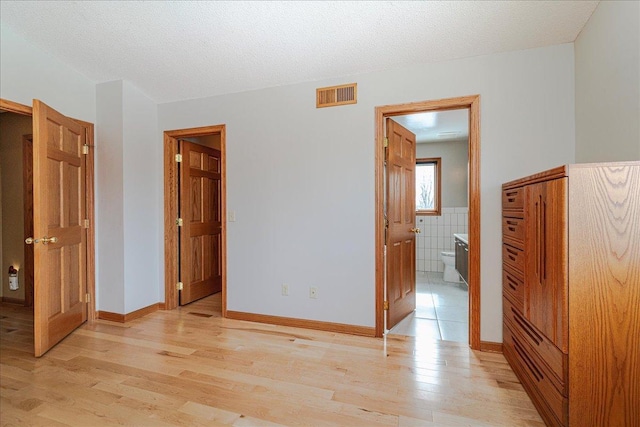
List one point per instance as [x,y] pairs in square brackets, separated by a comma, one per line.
[27,197]
[171,210]
[473,104]
[14,107]
[91,216]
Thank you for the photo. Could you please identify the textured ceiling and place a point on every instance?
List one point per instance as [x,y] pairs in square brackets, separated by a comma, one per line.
[177,50]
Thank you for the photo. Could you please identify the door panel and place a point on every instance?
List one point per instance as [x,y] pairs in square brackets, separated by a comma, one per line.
[200,267]
[545,264]
[401,208]
[59,210]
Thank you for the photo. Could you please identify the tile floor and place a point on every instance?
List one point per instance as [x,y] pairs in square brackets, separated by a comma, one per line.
[442,310]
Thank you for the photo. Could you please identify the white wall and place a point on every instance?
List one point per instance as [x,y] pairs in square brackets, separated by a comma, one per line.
[454,169]
[109,199]
[128,168]
[301,179]
[142,164]
[26,72]
[607,61]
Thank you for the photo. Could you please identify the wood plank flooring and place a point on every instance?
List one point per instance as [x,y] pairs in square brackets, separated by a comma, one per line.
[190,367]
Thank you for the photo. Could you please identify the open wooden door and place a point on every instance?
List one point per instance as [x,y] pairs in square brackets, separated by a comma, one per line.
[201,230]
[60,236]
[401,218]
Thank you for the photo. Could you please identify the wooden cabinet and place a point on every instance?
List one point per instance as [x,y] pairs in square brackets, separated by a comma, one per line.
[545,218]
[462,259]
[571,291]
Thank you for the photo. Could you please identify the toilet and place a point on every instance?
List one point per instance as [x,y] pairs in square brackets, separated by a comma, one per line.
[450,272]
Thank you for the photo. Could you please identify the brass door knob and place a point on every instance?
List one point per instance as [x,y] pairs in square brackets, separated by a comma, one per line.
[416,230]
[46,240]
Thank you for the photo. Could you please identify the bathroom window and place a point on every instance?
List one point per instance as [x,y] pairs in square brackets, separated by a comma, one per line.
[428,186]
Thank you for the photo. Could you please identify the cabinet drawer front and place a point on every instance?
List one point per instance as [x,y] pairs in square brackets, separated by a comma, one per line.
[513,256]
[513,287]
[513,198]
[537,377]
[554,358]
[513,228]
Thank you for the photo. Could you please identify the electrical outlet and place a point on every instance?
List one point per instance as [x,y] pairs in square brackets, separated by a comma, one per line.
[285,290]
[313,292]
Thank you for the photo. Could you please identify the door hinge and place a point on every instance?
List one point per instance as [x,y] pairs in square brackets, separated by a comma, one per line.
[179,222]
[385,305]
[87,298]
[85,149]
[86,223]
[386,142]
[178,158]
[179,286]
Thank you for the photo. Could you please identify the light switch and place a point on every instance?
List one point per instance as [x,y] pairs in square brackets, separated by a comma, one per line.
[232,216]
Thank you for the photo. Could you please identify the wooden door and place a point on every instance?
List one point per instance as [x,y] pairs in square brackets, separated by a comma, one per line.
[546,259]
[59,239]
[401,214]
[200,233]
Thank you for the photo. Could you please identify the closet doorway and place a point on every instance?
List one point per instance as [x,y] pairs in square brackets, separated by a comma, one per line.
[194,209]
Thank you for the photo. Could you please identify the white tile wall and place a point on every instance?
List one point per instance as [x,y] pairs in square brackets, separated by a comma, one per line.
[437,236]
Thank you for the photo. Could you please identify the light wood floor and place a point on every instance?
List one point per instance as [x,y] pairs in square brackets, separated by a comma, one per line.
[190,367]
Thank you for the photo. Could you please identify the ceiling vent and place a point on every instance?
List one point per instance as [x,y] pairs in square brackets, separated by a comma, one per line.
[337,95]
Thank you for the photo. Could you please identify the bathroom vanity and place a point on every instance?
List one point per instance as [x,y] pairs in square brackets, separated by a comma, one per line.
[462,256]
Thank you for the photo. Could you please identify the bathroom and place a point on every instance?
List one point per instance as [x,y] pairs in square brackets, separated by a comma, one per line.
[442,299]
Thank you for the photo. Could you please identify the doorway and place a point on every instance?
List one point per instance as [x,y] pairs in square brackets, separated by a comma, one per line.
[16,157]
[195,219]
[57,237]
[441,210]
[472,103]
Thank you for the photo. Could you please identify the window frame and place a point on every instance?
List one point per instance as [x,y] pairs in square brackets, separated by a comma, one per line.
[437,208]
